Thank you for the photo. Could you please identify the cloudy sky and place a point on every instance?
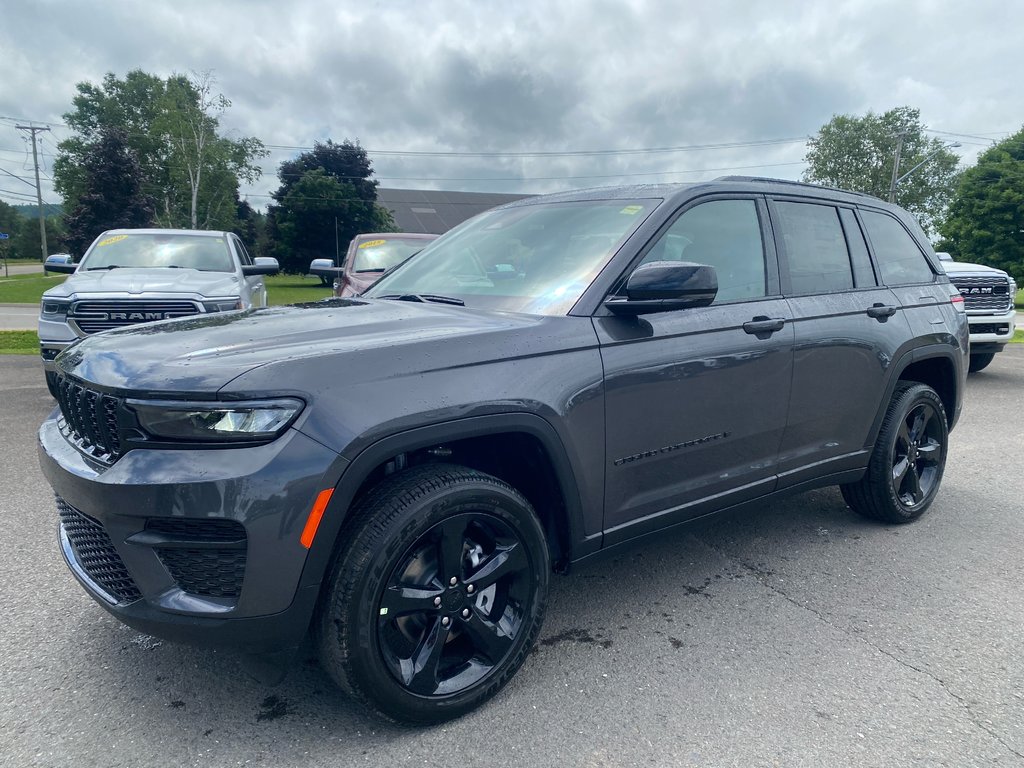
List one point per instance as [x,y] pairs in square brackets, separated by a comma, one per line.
[529,96]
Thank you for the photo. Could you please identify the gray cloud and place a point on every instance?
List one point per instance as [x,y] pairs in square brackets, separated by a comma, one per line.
[468,76]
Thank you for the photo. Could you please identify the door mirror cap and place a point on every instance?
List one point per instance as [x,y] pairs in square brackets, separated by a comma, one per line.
[262,265]
[664,286]
[63,268]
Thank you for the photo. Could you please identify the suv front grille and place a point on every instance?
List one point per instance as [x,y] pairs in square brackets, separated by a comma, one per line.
[984,293]
[90,419]
[103,314]
[95,553]
[215,566]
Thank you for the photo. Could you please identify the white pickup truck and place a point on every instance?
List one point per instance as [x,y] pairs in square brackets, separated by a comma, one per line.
[130,276]
[988,298]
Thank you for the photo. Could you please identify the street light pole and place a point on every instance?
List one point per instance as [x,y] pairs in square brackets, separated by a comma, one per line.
[896,180]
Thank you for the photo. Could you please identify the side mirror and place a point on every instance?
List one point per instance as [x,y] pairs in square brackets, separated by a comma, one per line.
[664,286]
[66,269]
[263,265]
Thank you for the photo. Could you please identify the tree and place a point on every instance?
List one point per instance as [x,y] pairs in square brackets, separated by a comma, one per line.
[172,126]
[858,153]
[325,199]
[986,218]
[112,196]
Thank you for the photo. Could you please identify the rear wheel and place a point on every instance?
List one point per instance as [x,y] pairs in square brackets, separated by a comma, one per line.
[980,361]
[438,595]
[908,459]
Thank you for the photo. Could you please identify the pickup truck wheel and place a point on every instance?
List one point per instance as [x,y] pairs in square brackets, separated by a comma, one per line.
[437,596]
[908,459]
[51,383]
[979,362]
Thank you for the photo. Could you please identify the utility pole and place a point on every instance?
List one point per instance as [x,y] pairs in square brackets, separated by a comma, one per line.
[34,129]
[896,167]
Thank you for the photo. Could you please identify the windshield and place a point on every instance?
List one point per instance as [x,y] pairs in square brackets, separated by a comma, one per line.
[202,252]
[381,253]
[535,258]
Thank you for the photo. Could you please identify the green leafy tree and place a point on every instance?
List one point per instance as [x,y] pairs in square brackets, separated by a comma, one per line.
[325,199]
[858,153]
[173,127]
[112,195]
[986,218]
[26,243]
[10,224]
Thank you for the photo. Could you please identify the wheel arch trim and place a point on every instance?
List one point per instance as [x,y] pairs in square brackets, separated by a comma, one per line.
[350,476]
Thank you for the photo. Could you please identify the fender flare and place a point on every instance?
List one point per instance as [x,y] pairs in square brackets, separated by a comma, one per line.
[350,476]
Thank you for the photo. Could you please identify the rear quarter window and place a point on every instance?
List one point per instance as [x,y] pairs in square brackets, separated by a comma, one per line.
[900,259]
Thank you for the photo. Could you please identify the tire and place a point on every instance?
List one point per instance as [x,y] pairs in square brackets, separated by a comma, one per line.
[390,596]
[908,459]
[51,383]
[980,361]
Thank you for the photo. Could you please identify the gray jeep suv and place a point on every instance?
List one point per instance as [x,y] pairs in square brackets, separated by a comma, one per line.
[400,473]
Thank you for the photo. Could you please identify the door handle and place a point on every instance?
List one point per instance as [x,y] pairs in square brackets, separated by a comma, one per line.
[881,311]
[764,325]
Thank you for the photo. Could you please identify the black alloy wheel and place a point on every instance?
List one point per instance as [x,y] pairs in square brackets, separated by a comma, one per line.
[907,462]
[437,594]
[454,605]
[918,452]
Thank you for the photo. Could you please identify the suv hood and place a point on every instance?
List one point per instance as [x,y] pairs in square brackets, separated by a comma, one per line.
[352,339]
[158,280]
[968,268]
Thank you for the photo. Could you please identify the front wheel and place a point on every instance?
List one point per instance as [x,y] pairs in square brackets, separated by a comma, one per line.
[908,459]
[437,596]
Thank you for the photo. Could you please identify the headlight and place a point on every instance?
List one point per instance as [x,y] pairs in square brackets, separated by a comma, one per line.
[258,420]
[55,308]
[223,305]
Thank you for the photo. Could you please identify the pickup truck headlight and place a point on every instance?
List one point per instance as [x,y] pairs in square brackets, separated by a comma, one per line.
[55,309]
[223,305]
[250,421]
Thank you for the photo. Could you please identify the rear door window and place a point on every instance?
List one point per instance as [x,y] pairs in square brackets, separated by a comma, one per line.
[816,254]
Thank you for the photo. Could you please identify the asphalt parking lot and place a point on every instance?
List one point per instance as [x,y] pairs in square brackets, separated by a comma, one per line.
[795,635]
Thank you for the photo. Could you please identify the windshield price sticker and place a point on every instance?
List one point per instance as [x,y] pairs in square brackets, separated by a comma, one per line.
[372,243]
[110,240]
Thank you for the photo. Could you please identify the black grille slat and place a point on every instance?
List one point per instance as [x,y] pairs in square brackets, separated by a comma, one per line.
[207,529]
[103,315]
[96,554]
[90,419]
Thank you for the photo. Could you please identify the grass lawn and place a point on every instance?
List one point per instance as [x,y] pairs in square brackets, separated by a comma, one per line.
[19,343]
[1019,301]
[1018,336]
[281,289]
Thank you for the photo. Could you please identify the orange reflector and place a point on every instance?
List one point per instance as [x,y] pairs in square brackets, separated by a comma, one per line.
[313,521]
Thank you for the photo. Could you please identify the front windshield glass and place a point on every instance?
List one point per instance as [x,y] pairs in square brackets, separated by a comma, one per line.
[536,258]
[201,252]
[383,253]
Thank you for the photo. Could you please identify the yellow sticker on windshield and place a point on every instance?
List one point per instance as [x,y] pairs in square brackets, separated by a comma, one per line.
[109,240]
[632,209]
[372,243]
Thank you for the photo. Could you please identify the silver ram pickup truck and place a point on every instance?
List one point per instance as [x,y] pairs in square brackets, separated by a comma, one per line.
[131,276]
[988,298]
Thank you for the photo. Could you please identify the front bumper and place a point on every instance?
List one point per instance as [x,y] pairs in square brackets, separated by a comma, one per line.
[990,332]
[172,578]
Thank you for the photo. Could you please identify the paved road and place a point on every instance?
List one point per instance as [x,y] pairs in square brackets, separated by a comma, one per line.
[20,268]
[796,635]
[19,317]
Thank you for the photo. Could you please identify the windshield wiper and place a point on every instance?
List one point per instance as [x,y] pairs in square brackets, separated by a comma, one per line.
[97,269]
[375,269]
[423,298]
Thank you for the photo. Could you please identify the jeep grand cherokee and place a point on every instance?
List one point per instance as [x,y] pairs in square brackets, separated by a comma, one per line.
[401,472]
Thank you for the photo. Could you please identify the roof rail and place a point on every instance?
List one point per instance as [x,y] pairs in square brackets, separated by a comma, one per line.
[765,179]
